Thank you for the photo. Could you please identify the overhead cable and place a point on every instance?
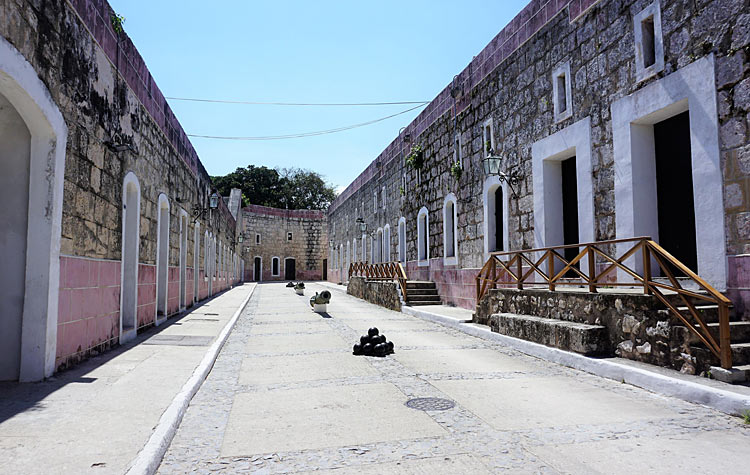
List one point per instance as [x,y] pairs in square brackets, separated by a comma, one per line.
[220,101]
[306,134]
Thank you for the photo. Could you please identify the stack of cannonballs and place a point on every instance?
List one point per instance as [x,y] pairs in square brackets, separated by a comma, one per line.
[373,344]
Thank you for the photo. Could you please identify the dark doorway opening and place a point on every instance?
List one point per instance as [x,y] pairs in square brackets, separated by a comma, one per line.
[290,271]
[257,269]
[325,269]
[674,189]
[570,210]
[499,219]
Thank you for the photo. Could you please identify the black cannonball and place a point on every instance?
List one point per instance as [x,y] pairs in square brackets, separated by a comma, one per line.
[357,350]
[372,331]
[389,345]
[367,349]
[377,339]
[379,349]
[364,339]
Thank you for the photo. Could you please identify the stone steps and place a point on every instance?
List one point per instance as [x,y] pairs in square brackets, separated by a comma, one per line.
[421,293]
[570,336]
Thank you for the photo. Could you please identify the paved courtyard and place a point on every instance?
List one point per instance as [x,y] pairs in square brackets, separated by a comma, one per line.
[287,396]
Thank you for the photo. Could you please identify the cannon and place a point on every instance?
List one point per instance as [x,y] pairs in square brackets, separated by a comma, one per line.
[319,301]
[300,288]
[290,284]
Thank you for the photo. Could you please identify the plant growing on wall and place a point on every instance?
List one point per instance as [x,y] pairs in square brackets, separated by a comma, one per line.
[402,191]
[415,159]
[487,146]
[117,20]
[457,170]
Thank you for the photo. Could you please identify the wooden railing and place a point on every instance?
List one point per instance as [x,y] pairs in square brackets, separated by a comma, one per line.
[380,271]
[548,267]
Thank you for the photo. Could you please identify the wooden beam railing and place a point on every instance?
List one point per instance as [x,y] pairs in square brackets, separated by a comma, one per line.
[380,271]
[547,267]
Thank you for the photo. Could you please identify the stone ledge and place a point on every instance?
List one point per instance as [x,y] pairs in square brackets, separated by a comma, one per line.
[571,336]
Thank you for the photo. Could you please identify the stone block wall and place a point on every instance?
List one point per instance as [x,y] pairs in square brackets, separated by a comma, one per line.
[384,294]
[509,86]
[106,94]
[307,246]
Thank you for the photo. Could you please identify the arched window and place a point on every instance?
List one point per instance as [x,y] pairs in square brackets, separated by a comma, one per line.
[387,243]
[402,239]
[275,266]
[379,246]
[354,250]
[196,259]
[364,248]
[423,237]
[450,239]
[183,258]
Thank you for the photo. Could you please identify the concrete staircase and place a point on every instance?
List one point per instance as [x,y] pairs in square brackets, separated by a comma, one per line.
[421,293]
[565,335]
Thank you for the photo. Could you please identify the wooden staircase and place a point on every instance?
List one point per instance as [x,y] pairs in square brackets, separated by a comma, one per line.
[421,293]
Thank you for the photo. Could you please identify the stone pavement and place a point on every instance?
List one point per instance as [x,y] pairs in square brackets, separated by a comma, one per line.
[96,417]
[287,396]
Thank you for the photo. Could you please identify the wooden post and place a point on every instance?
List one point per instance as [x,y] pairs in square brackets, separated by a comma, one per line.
[551,270]
[592,270]
[646,267]
[724,337]
[519,272]
[494,272]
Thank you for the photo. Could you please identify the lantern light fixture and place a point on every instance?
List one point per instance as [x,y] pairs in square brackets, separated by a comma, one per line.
[492,165]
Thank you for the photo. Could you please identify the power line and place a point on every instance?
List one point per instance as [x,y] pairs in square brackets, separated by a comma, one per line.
[336,104]
[307,134]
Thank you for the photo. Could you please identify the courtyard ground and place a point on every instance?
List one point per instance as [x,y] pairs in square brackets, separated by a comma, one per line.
[287,396]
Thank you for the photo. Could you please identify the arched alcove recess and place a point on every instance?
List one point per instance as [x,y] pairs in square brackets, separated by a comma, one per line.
[131,224]
[387,243]
[183,258]
[423,237]
[450,231]
[402,239]
[162,258]
[35,336]
[196,260]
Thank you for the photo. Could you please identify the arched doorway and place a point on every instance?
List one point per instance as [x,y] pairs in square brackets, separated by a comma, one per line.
[183,258]
[32,145]
[258,269]
[290,268]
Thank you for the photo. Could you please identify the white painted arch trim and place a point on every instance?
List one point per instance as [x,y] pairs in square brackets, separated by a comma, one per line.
[402,239]
[162,202]
[691,88]
[387,243]
[546,154]
[260,277]
[20,84]
[426,261]
[130,180]
[184,222]
[450,260]
[488,204]
[278,266]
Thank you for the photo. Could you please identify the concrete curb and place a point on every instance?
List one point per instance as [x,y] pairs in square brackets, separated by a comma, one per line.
[725,401]
[150,456]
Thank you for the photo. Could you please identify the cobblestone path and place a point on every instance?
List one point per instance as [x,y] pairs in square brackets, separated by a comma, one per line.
[287,396]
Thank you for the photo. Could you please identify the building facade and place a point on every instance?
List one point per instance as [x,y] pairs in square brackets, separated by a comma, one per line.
[107,228]
[280,244]
[616,118]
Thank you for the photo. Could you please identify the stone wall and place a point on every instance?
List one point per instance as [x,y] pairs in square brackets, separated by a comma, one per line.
[509,86]
[271,227]
[385,294]
[118,122]
[638,326]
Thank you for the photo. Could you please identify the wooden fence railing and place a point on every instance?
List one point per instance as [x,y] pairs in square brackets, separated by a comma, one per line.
[549,267]
[380,271]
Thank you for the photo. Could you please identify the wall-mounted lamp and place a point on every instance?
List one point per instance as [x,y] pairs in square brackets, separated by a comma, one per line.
[492,164]
[199,212]
[330,243]
[362,225]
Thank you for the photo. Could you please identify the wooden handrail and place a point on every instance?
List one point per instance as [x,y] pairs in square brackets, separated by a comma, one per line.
[507,269]
[380,271]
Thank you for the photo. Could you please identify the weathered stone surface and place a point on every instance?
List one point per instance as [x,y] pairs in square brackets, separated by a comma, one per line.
[385,294]
[565,335]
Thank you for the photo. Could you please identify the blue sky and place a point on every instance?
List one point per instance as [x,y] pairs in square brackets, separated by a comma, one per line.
[304,51]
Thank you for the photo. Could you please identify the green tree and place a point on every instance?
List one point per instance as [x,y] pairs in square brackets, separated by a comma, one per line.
[291,188]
